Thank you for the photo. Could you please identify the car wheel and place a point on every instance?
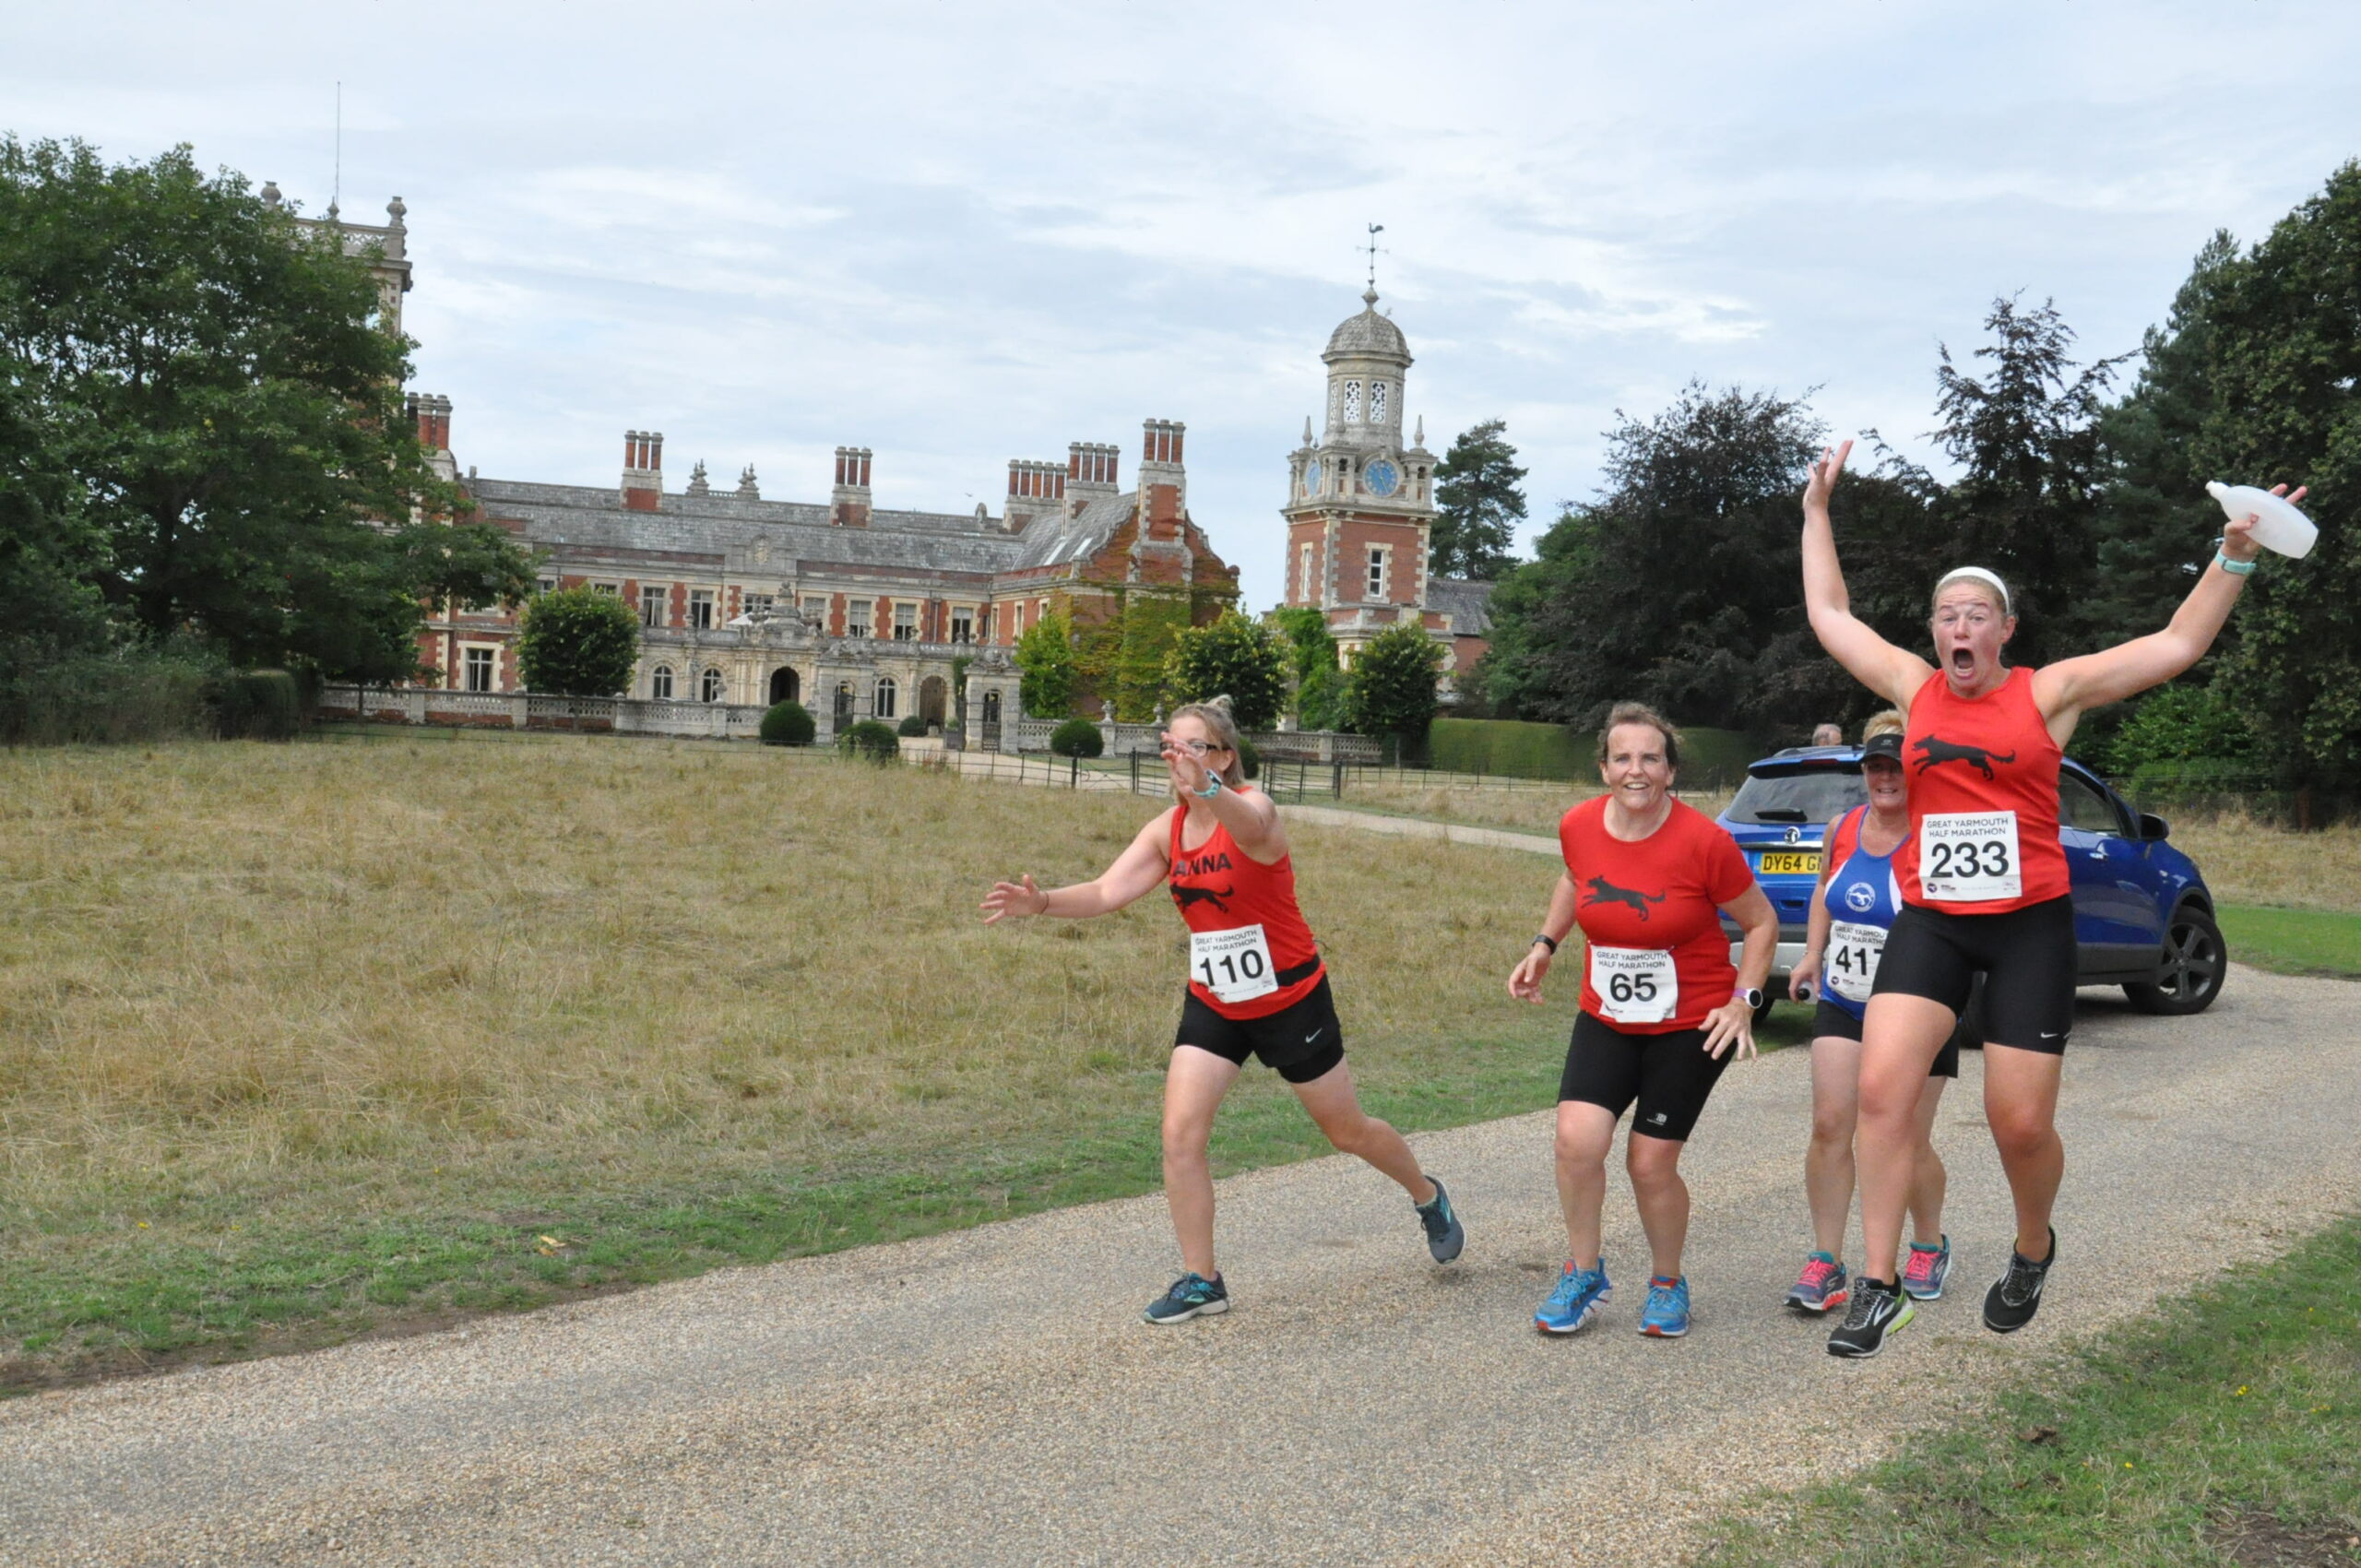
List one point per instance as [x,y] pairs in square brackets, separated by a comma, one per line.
[2196,962]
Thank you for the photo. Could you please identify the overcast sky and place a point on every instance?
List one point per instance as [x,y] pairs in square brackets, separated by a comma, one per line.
[960,234]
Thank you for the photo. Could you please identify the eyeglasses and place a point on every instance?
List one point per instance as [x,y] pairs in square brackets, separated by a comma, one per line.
[1194,748]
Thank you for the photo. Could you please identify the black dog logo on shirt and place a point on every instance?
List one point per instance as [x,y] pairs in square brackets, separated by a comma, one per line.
[1184,897]
[1604,892]
[1939,750]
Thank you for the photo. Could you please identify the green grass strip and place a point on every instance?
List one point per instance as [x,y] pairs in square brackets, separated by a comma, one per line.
[2293,941]
[2220,1430]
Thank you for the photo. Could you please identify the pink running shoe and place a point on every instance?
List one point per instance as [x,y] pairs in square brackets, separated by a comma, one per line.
[1923,1277]
[1824,1285]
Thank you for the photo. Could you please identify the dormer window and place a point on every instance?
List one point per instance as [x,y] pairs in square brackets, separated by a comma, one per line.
[1377,402]
[1352,402]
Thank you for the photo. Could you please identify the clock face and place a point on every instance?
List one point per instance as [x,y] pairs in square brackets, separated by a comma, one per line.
[1382,477]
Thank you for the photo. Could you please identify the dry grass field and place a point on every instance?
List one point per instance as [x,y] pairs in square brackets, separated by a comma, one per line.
[1527,805]
[303,1040]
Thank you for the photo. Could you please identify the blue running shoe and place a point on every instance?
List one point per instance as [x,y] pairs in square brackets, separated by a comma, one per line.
[1446,1235]
[1666,1313]
[1580,1293]
[1190,1296]
[1822,1285]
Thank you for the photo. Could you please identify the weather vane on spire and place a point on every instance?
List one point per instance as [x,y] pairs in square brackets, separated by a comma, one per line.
[1374,231]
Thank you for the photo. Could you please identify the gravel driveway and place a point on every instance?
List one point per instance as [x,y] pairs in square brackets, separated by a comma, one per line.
[991,1396]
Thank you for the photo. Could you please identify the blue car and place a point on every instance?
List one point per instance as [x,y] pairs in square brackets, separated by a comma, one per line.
[2143,917]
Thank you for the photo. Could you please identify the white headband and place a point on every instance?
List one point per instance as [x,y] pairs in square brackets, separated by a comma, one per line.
[1980,574]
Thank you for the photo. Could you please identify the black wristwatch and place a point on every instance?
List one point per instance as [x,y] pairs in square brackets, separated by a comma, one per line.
[1751,996]
[1544,940]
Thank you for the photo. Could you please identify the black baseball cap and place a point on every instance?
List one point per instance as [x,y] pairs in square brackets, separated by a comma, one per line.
[1888,745]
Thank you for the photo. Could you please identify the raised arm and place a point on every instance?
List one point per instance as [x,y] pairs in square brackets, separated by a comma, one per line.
[1892,672]
[1135,871]
[1251,817]
[2065,690]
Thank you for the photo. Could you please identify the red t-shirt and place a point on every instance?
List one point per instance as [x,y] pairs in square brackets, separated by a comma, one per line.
[1987,769]
[1650,917]
[1251,954]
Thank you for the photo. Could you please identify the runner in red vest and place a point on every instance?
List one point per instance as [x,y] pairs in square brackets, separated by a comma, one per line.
[1984,887]
[1663,1011]
[1256,986]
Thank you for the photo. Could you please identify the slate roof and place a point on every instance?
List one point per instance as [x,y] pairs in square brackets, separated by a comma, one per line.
[1467,602]
[1367,333]
[584,519]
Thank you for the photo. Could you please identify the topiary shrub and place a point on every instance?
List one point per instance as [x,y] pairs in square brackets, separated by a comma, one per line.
[257,705]
[871,742]
[1248,759]
[1077,737]
[910,727]
[788,724]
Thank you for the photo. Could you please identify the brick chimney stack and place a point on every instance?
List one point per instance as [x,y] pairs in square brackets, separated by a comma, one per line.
[1091,467]
[643,487]
[849,501]
[432,415]
[1164,486]
[1033,489]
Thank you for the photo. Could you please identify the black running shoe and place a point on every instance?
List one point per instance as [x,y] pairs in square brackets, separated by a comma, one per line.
[1190,1296]
[1877,1308]
[2016,1295]
[1446,1235]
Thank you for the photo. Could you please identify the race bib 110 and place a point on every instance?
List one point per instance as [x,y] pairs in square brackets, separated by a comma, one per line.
[1234,965]
[1969,857]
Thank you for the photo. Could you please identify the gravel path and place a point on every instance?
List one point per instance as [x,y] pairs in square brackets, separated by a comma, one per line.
[991,1396]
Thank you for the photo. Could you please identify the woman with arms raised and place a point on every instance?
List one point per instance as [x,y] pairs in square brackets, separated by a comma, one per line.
[1256,986]
[1984,887]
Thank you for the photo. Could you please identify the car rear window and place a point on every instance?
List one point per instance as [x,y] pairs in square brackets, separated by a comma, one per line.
[1814,795]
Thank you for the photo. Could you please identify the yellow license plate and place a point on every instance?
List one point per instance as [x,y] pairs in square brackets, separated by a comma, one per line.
[1791,862]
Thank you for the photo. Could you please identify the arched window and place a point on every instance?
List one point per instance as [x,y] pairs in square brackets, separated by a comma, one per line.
[1377,402]
[659,683]
[1352,402]
[885,692]
[709,686]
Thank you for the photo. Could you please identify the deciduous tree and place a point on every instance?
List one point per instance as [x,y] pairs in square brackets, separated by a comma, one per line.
[1235,657]
[578,642]
[1390,690]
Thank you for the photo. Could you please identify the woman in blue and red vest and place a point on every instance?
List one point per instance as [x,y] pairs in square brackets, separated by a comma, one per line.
[1984,887]
[1853,910]
[1256,986]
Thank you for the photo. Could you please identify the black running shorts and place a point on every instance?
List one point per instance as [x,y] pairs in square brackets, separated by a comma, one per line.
[1668,1075]
[2026,958]
[1828,1020]
[1300,1044]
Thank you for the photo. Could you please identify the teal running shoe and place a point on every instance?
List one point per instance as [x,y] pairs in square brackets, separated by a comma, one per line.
[1580,1293]
[1923,1275]
[1446,1235]
[1666,1315]
[1190,1296]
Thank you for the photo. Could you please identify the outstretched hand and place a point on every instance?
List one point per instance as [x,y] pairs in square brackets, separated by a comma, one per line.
[1021,899]
[1822,482]
[1189,772]
[2237,539]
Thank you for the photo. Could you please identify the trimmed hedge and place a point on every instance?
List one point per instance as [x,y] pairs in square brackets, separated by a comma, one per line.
[257,705]
[788,724]
[1077,737]
[1515,750]
[870,741]
[911,728]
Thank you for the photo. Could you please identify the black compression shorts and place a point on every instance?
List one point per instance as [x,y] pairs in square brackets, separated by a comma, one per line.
[2026,958]
[1300,1044]
[1829,1020]
[1668,1075]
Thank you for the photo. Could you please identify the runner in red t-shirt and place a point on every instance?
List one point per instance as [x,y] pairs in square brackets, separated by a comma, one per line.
[1984,885]
[1256,986]
[1647,879]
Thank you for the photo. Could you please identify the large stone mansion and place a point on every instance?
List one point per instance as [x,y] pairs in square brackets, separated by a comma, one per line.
[861,611]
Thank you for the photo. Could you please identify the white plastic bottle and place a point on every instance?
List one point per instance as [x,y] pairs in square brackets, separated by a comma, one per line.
[2278,526]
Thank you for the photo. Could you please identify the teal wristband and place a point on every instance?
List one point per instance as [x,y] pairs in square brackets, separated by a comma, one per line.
[1213,788]
[2235,568]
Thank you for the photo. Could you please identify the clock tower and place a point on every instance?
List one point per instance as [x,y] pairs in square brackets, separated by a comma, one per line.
[1361,500]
